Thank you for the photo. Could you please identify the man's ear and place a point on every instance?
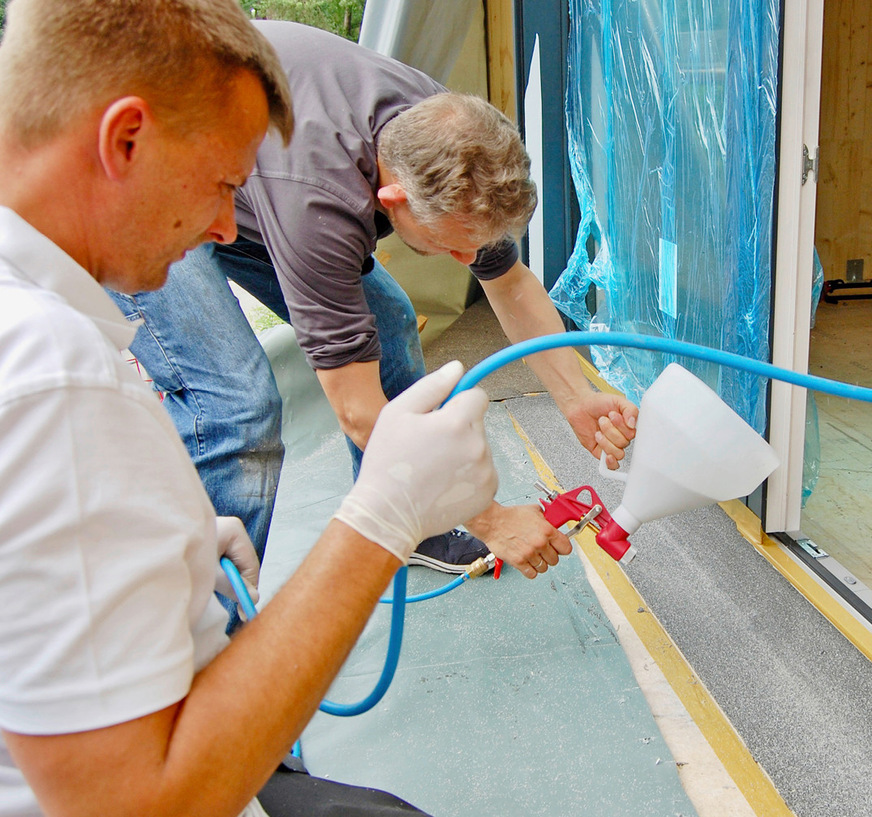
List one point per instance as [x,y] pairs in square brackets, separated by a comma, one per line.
[122,129]
[391,195]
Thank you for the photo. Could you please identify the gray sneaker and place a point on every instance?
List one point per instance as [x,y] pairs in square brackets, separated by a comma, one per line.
[450,552]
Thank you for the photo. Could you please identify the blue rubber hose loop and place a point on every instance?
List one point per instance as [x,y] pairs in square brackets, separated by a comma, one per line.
[395,638]
[242,595]
[431,594]
[655,344]
[395,641]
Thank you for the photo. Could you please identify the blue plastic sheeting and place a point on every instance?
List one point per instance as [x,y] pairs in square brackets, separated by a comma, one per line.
[671,120]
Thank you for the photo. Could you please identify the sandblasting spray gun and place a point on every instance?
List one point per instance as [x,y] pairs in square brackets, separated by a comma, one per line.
[691,449]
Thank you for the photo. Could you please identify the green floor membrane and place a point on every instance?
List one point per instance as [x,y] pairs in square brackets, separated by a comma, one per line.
[512,697]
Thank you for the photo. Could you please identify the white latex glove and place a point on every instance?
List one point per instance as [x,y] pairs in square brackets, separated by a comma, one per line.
[233,542]
[425,469]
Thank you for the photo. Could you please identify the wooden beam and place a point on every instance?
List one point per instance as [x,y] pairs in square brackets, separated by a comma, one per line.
[500,30]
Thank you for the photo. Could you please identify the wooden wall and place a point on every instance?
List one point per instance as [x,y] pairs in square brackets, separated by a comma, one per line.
[500,25]
[843,228]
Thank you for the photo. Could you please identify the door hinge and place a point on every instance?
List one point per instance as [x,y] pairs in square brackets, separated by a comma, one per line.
[809,164]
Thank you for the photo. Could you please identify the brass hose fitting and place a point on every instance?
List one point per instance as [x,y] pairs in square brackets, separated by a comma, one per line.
[481,566]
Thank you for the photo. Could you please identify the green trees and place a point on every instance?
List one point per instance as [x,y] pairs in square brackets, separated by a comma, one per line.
[339,16]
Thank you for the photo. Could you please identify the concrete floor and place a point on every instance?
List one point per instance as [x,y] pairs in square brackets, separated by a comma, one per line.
[794,689]
[753,701]
[761,704]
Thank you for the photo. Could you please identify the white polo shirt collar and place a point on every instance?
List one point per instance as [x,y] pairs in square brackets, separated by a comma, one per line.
[32,256]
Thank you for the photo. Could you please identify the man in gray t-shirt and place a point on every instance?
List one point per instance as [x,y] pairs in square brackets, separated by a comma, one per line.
[378,147]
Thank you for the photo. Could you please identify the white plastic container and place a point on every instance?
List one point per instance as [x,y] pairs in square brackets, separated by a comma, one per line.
[691,449]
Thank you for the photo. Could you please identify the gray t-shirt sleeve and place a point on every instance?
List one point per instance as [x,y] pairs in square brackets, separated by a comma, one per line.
[319,245]
[495,260]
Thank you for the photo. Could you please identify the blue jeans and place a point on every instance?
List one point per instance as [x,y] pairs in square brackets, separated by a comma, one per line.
[199,349]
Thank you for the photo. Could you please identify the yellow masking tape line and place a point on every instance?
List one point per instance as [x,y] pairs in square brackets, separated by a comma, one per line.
[751,779]
[591,373]
[748,776]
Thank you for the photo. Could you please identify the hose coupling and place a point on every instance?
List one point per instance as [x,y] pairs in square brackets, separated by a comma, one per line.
[481,566]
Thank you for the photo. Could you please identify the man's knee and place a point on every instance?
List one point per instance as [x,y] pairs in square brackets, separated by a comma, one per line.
[262,415]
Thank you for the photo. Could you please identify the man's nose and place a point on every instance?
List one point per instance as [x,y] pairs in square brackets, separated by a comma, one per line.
[223,228]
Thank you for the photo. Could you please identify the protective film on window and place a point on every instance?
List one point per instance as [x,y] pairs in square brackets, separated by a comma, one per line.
[671,112]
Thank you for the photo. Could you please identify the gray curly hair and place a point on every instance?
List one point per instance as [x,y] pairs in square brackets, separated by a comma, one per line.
[457,155]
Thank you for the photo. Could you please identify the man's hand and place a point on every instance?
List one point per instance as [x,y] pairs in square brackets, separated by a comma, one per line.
[425,469]
[233,542]
[519,535]
[604,422]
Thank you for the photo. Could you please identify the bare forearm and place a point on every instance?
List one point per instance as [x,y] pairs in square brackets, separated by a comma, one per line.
[602,422]
[525,311]
[243,712]
[355,395]
[283,662]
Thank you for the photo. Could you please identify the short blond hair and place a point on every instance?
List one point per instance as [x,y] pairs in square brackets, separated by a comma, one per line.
[457,155]
[60,59]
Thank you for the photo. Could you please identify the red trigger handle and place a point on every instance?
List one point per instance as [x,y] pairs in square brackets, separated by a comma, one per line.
[567,507]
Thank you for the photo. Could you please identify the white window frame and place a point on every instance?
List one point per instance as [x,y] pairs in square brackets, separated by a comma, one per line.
[802,28]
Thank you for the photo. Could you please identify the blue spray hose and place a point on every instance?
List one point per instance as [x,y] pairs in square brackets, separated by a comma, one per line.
[439,591]
[491,364]
[655,344]
[395,640]
[239,588]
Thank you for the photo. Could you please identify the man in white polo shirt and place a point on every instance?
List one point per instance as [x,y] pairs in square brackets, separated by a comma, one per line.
[125,128]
